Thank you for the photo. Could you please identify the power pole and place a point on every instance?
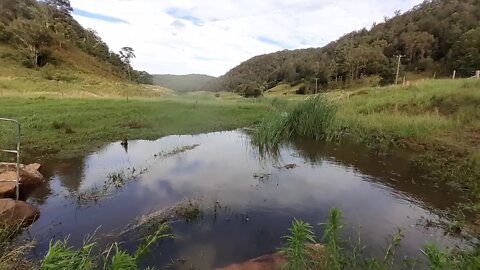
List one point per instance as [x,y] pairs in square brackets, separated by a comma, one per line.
[316,85]
[398,68]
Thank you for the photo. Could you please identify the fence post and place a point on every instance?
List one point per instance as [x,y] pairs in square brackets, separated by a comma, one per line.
[477,74]
[454,73]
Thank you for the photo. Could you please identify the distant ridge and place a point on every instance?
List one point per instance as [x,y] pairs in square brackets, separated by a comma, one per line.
[183,83]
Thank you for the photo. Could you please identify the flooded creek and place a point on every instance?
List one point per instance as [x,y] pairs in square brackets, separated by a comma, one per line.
[248,200]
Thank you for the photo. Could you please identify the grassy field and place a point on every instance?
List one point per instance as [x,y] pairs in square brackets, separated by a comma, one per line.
[69,127]
[438,120]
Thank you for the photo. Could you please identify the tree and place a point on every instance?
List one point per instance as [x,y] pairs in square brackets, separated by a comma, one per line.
[465,53]
[126,55]
[32,38]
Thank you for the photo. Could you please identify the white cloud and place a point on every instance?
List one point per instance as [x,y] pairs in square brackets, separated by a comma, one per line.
[212,36]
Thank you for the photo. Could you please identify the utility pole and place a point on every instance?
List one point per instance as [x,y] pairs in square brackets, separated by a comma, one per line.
[398,68]
[316,85]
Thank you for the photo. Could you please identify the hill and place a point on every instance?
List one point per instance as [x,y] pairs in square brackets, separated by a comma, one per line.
[42,48]
[434,38]
[182,83]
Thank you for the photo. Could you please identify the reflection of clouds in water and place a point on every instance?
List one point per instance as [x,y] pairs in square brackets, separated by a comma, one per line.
[222,169]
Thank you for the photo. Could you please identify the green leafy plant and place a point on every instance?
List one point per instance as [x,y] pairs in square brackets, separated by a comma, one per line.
[296,247]
[332,241]
[61,256]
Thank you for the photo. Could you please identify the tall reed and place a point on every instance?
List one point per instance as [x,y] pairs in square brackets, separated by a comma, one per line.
[312,118]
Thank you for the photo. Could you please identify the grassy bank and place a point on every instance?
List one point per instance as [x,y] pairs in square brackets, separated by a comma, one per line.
[69,127]
[437,119]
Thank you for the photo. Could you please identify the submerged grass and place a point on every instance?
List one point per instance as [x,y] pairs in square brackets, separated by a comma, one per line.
[62,256]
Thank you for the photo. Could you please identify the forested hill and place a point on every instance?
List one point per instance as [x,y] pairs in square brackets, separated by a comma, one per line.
[183,83]
[44,33]
[435,37]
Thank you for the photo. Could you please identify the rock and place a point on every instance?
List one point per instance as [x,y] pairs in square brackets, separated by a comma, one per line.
[267,262]
[29,175]
[277,260]
[33,167]
[7,189]
[17,213]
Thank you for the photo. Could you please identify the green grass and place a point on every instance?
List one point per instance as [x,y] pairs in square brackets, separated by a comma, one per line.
[61,256]
[339,253]
[70,127]
[311,119]
[438,119]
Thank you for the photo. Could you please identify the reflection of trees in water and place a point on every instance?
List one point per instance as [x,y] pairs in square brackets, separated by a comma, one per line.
[394,169]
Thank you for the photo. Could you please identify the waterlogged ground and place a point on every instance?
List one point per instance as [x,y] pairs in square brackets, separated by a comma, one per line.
[248,200]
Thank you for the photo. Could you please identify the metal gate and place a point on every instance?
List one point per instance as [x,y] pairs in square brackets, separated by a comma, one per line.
[17,152]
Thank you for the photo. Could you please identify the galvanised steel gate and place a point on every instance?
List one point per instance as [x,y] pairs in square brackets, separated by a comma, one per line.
[17,152]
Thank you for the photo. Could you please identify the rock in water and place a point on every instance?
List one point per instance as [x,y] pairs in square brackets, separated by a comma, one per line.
[29,176]
[268,262]
[33,167]
[17,213]
[277,261]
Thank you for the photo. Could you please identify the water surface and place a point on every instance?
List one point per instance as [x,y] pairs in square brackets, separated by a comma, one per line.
[377,194]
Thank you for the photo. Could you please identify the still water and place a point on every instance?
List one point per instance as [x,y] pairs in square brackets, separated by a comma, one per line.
[258,196]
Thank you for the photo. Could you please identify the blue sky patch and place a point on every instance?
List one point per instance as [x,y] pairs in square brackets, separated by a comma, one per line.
[97,16]
[273,42]
[184,15]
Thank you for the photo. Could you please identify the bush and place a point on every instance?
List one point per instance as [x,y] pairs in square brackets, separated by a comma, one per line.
[252,91]
[301,91]
[4,34]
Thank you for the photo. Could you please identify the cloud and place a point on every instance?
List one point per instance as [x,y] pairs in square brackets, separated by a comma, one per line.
[210,36]
[97,16]
[178,24]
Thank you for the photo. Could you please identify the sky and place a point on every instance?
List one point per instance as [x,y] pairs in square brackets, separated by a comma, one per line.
[213,36]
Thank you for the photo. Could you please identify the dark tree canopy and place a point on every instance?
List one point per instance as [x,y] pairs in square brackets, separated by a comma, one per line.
[37,28]
[436,36]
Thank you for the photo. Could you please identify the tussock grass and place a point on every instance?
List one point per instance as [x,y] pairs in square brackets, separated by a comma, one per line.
[311,119]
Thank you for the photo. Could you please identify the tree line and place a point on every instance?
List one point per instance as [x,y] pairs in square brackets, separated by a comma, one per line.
[434,37]
[36,28]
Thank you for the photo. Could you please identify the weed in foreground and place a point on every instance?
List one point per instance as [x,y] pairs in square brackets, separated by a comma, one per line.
[336,257]
[12,253]
[61,256]
[296,247]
